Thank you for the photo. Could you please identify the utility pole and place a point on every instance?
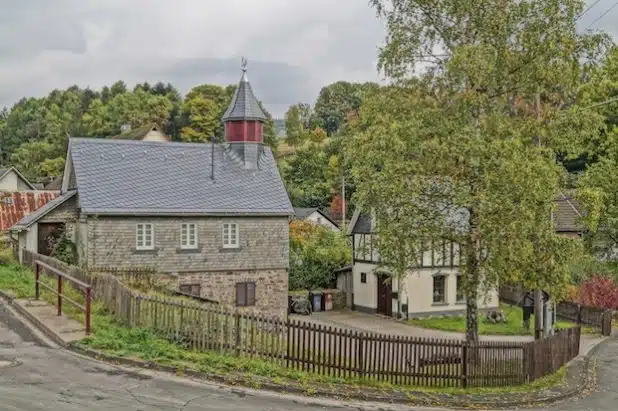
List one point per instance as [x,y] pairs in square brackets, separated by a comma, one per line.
[538,295]
[343,205]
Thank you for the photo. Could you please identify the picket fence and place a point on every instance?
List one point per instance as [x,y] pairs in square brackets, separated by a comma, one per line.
[330,351]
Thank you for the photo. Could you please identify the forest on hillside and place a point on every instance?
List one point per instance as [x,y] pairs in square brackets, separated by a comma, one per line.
[34,132]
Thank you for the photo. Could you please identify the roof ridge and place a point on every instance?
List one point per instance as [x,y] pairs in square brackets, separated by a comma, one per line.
[154,143]
[564,197]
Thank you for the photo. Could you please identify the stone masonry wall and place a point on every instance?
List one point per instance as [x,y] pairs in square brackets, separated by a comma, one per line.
[264,244]
[66,212]
[271,289]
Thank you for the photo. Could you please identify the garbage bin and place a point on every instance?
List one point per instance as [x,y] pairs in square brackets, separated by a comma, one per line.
[317,301]
[328,300]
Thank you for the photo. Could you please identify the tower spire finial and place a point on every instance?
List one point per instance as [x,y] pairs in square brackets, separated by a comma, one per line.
[243,64]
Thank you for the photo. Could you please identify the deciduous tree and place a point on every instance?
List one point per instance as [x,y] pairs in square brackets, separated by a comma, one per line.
[451,157]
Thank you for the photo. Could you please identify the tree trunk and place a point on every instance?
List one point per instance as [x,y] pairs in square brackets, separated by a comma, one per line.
[472,320]
[471,266]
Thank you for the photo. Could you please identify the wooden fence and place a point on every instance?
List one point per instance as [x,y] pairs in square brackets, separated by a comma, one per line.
[600,318]
[332,351]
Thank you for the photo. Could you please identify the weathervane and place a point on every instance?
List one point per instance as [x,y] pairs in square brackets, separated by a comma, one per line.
[243,64]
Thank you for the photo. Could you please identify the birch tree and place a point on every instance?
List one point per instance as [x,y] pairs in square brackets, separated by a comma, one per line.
[462,153]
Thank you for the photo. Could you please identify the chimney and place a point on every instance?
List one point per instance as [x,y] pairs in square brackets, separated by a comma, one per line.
[244,123]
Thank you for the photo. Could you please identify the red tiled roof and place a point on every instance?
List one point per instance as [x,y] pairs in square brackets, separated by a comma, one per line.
[21,204]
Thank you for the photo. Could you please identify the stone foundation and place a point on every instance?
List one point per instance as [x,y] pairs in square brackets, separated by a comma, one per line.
[271,289]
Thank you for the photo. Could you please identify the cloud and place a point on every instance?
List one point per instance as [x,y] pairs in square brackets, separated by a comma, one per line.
[294,47]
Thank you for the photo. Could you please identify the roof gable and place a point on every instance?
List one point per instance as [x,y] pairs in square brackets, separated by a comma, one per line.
[139,133]
[43,210]
[303,212]
[168,178]
[6,171]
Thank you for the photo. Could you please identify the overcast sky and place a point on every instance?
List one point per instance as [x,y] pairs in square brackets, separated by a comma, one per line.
[294,47]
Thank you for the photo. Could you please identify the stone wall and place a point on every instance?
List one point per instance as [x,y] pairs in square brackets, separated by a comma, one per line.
[271,289]
[65,212]
[264,244]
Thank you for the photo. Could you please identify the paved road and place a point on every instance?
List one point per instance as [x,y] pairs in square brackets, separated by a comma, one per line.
[47,378]
[34,377]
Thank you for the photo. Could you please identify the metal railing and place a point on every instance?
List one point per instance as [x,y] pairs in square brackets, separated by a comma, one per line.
[87,288]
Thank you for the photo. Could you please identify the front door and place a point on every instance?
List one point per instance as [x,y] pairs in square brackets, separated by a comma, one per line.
[48,235]
[385,295]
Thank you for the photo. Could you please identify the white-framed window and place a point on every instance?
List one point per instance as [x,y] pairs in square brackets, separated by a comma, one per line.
[230,235]
[144,237]
[188,236]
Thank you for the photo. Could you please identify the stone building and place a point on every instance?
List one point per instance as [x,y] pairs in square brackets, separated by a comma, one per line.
[213,216]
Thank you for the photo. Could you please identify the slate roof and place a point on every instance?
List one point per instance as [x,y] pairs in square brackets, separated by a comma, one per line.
[14,206]
[566,216]
[169,178]
[303,212]
[244,105]
[31,218]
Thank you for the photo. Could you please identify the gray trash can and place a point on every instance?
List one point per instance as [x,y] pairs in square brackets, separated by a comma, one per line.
[317,302]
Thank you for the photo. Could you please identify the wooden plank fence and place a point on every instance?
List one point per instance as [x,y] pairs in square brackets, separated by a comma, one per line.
[331,351]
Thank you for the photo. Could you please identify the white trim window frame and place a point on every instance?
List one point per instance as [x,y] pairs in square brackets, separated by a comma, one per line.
[144,236]
[230,235]
[188,236]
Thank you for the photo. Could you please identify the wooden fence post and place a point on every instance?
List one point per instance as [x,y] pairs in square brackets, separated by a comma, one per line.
[359,355]
[464,364]
[237,326]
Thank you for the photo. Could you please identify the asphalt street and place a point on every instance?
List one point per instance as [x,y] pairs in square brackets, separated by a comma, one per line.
[35,377]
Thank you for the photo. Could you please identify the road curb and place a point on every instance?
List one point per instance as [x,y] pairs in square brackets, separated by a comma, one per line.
[422,399]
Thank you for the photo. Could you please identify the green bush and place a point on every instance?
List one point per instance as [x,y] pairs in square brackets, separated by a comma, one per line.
[65,250]
[315,253]
[7,257]
[586,267]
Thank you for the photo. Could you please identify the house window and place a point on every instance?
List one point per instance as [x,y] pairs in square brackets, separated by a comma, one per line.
[439,289]
[245,294]
[460,292]
[188,236]
[8,201]
[364,278]
[144,235]
[191,289]
[230,235]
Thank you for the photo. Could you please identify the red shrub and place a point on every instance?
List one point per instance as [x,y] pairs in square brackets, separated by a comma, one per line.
[599,292]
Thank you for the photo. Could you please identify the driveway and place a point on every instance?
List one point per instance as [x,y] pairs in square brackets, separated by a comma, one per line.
[354,320]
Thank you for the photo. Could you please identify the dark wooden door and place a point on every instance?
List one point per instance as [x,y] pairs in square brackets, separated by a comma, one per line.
[48,234]
[385,296]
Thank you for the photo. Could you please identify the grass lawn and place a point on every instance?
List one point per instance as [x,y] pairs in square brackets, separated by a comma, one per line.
[513,325]
[111,337]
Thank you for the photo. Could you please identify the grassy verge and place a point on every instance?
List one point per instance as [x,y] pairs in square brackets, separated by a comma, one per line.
[145,344]
[513,325]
